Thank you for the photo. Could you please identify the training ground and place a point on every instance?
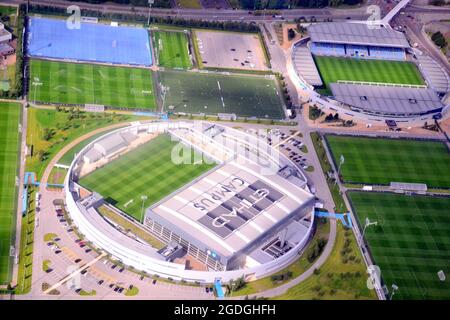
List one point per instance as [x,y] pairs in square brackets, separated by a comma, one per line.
[245,96]
[75,83]
[172,49]
[332,69]
[411,242]
[147,170]
[51,38]
[9,156]
[381,161]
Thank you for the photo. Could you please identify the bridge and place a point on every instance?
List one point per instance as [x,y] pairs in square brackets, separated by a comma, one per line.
[391,14]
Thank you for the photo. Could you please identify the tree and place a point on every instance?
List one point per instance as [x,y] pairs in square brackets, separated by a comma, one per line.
[291,34]
[439,39]
[48,134]
[437,2]
[42,155]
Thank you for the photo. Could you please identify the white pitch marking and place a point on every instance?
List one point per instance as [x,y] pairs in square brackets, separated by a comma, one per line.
[128,203]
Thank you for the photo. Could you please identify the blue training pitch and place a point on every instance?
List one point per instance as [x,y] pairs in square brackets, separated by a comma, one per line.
[52,38]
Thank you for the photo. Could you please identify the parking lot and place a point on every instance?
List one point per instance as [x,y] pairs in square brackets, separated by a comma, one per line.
[230,50]
[64,253]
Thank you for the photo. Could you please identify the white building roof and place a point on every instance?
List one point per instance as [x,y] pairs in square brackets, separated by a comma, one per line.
[357,34]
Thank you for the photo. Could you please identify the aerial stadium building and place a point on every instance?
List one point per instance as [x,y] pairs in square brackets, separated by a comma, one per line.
[368,100]
[250,215]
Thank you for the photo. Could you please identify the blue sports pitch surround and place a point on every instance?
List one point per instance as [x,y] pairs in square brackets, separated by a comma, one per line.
[52,38]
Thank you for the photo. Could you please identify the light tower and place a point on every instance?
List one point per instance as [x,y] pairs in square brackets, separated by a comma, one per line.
[143,198]
[150,3]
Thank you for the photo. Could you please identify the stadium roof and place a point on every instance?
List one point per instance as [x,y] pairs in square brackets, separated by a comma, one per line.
[305,66]
[228,209]
[5,48]
[357,34]
[434,73]
[387,99]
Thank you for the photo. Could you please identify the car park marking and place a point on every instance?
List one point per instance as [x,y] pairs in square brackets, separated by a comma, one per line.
[73,274]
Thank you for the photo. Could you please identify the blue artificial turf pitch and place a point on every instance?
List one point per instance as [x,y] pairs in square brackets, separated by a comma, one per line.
[51,38]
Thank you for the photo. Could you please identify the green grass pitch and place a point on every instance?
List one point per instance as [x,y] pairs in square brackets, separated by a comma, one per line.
[9,156]
[172,49]
[381,161]
[246,96]
[333,69]
[411,242]
[147,170]
[73,83]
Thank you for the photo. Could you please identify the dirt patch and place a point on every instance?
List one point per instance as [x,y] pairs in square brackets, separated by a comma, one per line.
[286,43]
[361,125]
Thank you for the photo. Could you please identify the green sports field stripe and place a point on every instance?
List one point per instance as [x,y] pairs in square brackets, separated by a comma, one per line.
[174,53]
[411,242]
[333,69]
[9,144]
[130,176]
[87,83]
[380,161]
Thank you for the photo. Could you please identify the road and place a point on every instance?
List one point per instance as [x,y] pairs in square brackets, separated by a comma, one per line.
[412,18]
[279,61]
[209,14]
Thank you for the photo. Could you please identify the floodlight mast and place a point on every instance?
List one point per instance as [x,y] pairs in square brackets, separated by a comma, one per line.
[341,162]
[367,224]
[150,3]
[143,198]
[164,90]
[37,82]
[394,289]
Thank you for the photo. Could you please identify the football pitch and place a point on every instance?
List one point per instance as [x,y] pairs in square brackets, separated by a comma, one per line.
[246,96]
[381,161]
[94,42]
[147,170]
[172,49]
[73,83]
[410,243]
[332,69]
[9,156]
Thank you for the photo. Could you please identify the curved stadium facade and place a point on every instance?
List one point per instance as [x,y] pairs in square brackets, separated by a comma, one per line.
[250,215]
[370,100]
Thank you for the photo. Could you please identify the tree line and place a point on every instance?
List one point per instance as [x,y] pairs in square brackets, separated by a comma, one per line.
[16,90]
[137,3]
[289,4]
[140,18]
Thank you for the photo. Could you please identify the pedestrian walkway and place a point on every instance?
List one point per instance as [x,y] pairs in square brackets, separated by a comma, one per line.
[343,217]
